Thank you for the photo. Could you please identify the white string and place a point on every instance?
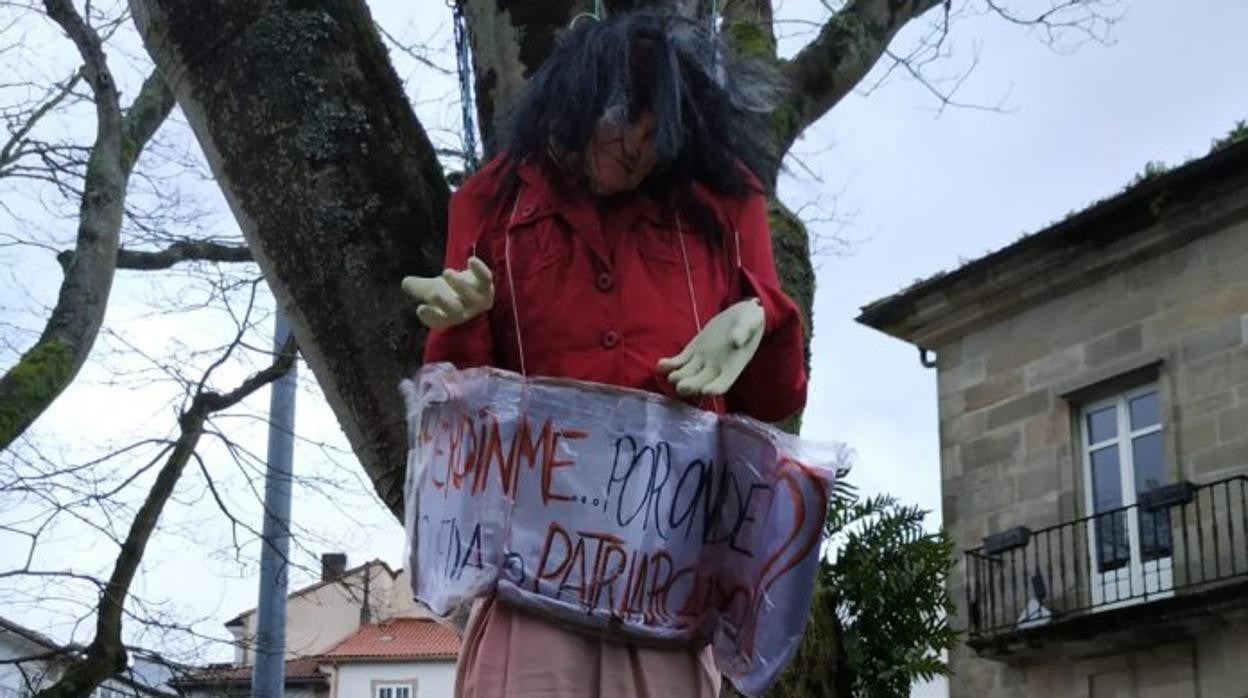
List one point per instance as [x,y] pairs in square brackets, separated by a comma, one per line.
[583,15]
[693,300]
[693,297]
[511,286]
[736,234]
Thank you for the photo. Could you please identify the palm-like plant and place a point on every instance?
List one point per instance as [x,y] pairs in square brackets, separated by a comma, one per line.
[879,617]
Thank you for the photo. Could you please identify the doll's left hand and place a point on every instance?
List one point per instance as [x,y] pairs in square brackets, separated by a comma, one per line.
[715,358]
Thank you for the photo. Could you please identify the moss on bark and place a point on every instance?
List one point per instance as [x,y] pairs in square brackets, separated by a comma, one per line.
[791,247]
[752,39]
[30,386]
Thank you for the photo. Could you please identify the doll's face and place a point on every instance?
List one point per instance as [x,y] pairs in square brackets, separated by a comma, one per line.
[621,152]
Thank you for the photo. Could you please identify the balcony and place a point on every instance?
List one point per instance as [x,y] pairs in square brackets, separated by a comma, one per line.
[1179,553]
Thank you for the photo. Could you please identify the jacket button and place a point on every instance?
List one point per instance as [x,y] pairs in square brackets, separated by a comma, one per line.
[529,210]
[610,338]
[605,282]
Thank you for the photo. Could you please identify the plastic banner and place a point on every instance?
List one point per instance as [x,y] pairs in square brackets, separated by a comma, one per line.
[614,511]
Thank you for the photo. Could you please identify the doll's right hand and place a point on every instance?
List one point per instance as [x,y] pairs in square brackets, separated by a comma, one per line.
[454,297]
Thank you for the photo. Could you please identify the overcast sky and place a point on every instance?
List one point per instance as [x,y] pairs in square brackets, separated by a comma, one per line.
[920,190]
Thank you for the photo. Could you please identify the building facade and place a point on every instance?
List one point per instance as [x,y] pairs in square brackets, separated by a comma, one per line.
[1093,404]
[31,661]
[319,615]
[356,633]
[398,658]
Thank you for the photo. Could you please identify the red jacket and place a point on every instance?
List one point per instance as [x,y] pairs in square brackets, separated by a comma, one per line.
[602,296]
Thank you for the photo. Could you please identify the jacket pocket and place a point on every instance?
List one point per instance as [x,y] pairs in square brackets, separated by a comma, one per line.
[536,248]
[663,245]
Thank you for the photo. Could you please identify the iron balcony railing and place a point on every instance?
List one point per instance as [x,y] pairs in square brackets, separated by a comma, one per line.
[1177,540]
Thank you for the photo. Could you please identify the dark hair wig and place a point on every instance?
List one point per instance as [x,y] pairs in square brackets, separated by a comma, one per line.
[711,106]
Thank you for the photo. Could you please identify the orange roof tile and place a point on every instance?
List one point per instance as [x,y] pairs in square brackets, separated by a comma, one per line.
[297,670]
[396,639]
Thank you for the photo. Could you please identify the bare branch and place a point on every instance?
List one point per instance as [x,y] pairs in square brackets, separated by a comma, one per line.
[414,51]
[850,43]
[16,147]
[858,35]
[107,655]
[1062,17]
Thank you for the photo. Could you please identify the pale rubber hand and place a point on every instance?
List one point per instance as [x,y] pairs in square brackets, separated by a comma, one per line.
[715,358]
[453,298]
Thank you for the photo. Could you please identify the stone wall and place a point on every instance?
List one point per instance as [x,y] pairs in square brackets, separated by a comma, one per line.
[1010,446]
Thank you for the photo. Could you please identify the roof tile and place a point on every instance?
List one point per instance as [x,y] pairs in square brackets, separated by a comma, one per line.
[304,668]
[398,638]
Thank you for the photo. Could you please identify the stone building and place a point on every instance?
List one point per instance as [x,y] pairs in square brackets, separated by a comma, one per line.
[1093,402]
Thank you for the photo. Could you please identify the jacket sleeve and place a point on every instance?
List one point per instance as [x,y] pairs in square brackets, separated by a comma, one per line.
[471,343]
[773,385]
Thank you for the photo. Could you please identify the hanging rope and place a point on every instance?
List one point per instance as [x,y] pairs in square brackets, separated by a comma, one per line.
[598,14]
[463,65]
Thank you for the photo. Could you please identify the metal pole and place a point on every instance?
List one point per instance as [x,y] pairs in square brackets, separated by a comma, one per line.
[269,673]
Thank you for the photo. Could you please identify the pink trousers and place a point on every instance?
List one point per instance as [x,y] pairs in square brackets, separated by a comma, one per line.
[510,654]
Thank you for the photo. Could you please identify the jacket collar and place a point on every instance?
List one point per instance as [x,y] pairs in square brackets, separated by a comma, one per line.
[545,192]
[551,192]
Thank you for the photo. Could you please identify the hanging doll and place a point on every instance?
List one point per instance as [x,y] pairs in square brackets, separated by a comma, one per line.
[621,237]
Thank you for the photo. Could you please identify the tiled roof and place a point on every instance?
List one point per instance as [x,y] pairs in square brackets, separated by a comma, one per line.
[1087,232]
[397,639]
[298,670]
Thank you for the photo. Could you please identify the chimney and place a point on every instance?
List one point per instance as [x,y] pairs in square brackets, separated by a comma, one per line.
[332,566]
[366,611]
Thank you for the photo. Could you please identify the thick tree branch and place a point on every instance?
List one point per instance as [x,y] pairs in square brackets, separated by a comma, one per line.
[850,43]
[42,373]
[176,253]
[29,387]
[106,655]
[750,25]
[144,117]
[91,48]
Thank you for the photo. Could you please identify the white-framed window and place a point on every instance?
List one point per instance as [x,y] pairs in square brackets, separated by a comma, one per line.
[1124,457]
[394,690]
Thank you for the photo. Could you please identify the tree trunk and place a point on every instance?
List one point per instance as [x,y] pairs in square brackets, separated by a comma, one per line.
[336,187]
